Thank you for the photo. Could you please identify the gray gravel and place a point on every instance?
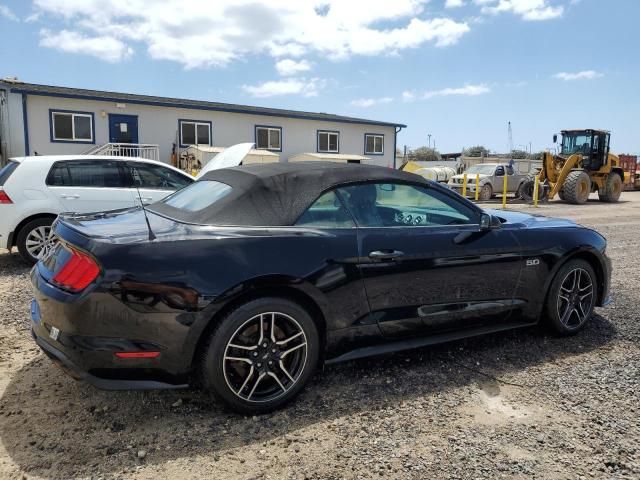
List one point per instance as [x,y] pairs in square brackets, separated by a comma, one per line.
[517,405]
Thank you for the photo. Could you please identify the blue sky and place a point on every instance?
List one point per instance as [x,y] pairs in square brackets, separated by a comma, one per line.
[457,69]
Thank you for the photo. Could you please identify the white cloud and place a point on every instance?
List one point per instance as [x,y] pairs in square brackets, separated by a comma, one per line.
[106,48]
[291,86]
[201,33]
[8,14]
[370,102]
[453,3]
[292,67]
[408,96]
[531,10]
[467,90]
[583,75]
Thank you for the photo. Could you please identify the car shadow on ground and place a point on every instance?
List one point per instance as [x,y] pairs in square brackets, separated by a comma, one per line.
[52,426]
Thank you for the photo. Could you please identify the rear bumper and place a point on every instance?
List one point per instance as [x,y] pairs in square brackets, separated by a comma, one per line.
[74,371]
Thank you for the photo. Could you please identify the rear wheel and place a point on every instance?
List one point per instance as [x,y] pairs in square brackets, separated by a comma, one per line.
[561,195]
[612,188]
[572,297]
[528,186]
[577,187]
[35,240]
[261,355]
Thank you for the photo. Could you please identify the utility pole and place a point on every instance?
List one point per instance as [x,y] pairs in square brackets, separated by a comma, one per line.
[429,135]
[510,134]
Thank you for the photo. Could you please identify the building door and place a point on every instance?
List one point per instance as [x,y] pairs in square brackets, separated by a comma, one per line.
[123,128]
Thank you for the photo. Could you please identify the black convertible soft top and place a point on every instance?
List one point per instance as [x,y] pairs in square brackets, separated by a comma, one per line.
[277,194]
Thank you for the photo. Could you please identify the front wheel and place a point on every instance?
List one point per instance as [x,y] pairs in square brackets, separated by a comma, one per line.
[572,297]
[261,355]
[486,192]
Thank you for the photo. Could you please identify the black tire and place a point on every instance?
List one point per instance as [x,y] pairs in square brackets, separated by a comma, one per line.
[561,302]
[527,187]
[26,237]
[237,382]
[561,195]
[577,187]
[486,192]
[612,189]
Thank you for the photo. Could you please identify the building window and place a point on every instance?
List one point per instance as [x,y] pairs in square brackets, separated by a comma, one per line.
[373,144]
[269,138]
[328,142]
[193,132]
[69,126]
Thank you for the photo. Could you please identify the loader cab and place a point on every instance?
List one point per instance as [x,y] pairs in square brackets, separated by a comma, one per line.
[593,145]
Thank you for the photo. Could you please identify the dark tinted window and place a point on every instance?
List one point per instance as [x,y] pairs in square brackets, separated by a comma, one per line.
[62,126]
[198,195]
[6,171]
[91,173]
[392,205]
[327,212]
[146,175]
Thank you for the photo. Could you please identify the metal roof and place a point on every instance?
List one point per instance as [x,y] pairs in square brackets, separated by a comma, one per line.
[80,93]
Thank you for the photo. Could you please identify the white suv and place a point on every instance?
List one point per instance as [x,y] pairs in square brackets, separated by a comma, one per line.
[34,190]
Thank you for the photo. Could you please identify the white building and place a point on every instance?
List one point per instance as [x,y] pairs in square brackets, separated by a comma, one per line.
[44,120]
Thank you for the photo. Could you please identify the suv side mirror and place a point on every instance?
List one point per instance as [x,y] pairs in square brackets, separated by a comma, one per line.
[500,172]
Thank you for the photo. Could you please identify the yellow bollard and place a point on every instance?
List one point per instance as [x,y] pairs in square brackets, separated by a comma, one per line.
[535,191]
[504,191]
[464,185]
[477,186]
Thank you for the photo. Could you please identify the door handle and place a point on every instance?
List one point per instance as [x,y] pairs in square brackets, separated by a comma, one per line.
[385,254]
[69,196]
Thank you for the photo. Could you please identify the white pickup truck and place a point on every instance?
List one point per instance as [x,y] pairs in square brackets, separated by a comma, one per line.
[491,180]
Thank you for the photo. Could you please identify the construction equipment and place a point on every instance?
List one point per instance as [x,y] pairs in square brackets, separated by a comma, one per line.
[584,165]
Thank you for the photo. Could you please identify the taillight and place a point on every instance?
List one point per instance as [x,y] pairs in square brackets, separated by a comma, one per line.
[4,198]
[79,271]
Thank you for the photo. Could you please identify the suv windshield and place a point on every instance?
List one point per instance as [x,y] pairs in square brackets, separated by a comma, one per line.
[576,143]
[482,169]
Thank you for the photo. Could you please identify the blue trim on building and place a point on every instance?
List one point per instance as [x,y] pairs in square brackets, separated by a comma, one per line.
[25,125]
[365,143]
[318,132]
[203,107]
[85,142]
[255,137]
[180,120]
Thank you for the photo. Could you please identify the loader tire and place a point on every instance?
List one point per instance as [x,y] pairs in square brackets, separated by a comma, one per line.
[577,187]
[527,187]
[561,195]
[612,189]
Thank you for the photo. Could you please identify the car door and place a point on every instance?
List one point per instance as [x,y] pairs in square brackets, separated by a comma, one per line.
[89,185]
[427,265]
[154,182]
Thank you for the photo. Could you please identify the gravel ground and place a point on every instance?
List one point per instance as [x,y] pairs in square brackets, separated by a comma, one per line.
[517,405]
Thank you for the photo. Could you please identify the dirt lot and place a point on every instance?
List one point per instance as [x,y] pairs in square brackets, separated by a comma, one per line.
[516,405]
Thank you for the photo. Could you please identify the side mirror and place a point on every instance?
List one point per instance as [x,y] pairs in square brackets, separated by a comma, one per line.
[555,138]
[489,222]
[500,172]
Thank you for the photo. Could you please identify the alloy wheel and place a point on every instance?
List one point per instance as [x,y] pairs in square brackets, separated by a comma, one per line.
[265,357]
[40,241]
[575,298]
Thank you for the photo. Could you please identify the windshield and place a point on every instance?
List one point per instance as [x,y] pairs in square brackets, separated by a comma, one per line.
[576,143]
[198,195]
[482,169]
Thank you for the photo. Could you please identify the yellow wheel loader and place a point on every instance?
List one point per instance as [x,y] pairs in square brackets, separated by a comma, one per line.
[584,165]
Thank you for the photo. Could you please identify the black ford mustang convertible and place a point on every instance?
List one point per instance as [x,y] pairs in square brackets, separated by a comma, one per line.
[249,278]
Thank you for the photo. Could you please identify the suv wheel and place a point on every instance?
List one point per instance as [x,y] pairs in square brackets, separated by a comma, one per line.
[572,297]
[35,240]
[261,355]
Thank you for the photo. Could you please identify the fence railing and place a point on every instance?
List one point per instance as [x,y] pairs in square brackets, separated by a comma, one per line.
[138,150]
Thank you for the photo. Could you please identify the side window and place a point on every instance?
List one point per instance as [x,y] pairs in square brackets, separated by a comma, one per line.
[328,212]
[510,170]
[394,205]
[91,173]
[145,175]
